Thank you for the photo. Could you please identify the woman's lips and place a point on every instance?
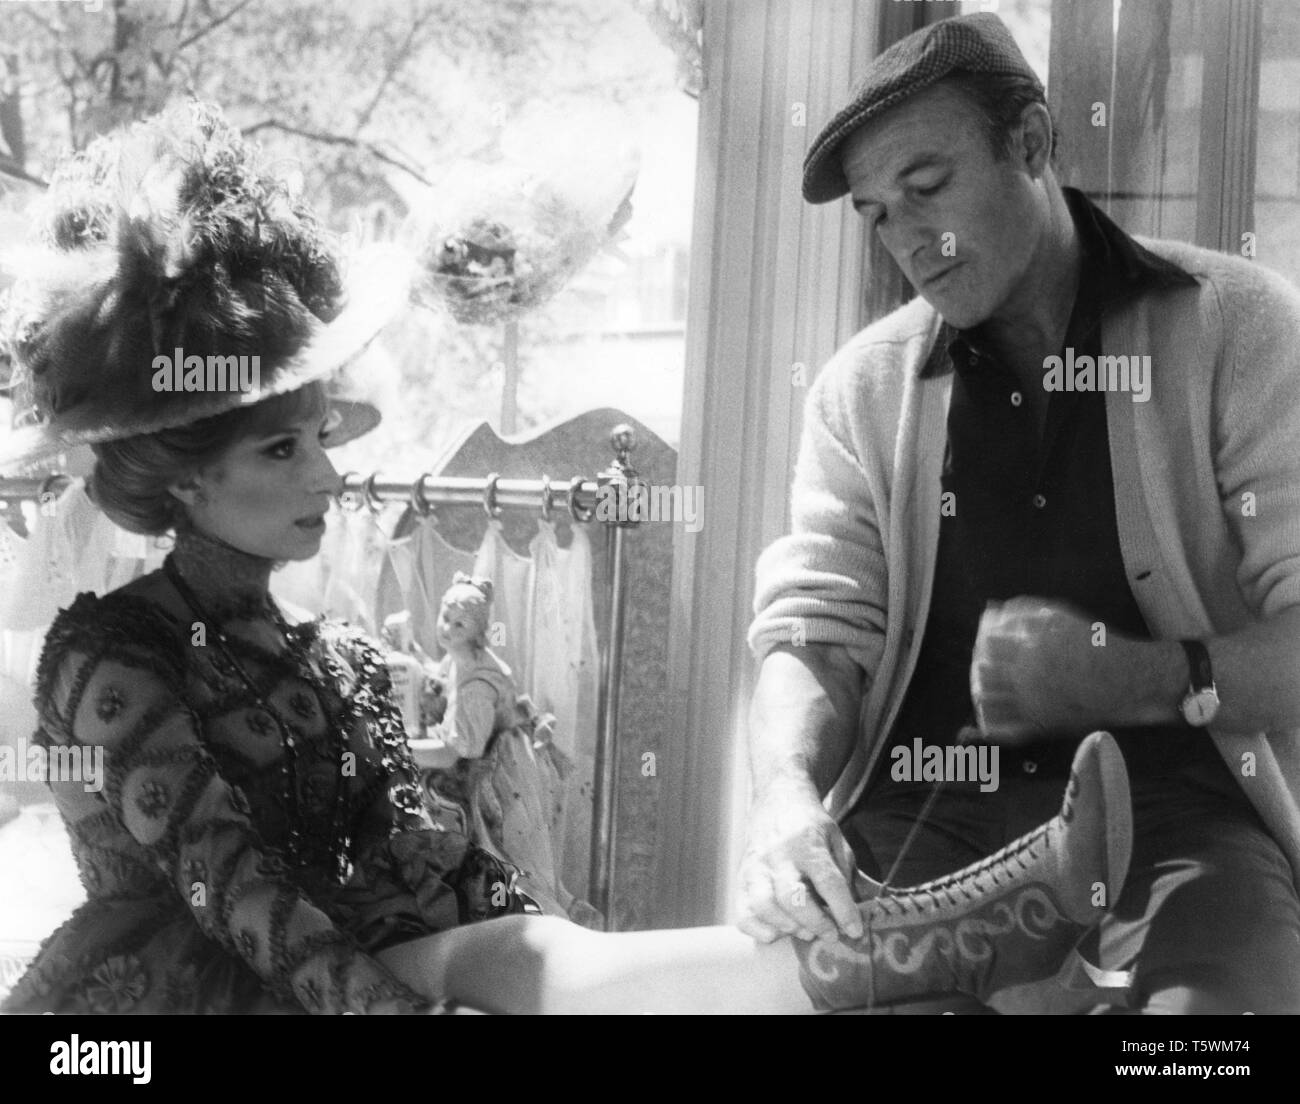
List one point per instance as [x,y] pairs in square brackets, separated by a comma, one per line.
[311,523]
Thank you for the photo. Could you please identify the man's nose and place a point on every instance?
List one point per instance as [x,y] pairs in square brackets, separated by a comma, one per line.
[911,243]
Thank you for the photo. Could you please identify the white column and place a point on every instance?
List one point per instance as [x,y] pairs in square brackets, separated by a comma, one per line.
[776,287]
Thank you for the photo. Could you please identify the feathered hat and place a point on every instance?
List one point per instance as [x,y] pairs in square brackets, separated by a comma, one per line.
[166,253]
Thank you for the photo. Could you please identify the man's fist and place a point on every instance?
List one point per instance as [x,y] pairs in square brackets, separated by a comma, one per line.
[1041,669]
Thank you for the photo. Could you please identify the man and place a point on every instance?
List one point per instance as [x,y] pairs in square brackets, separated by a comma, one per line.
[989,543]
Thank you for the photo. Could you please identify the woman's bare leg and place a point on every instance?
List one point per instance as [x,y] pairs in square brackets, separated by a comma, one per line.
[947,936]
[542,964]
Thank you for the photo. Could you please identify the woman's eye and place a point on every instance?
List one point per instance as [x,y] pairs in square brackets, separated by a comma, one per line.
[281,450]
[932,190]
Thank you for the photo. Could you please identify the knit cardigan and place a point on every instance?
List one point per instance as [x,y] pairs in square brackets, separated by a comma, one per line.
[1207,497]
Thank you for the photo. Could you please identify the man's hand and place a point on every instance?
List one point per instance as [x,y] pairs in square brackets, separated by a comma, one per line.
[796,854]
[1041,669]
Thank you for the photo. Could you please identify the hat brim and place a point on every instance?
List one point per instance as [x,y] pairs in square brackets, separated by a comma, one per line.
[378,282]
[824,178]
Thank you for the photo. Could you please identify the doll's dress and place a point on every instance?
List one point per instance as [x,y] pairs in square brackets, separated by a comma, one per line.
[509,790]
[225,872]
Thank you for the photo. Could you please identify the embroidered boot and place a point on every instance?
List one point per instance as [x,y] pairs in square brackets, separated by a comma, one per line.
[1008,920]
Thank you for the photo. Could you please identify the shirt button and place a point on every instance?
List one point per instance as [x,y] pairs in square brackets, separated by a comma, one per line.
[1016,398]
[1039,502]
[1029,766]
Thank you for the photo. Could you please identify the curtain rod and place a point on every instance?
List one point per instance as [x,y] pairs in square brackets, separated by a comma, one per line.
[424,494]
[427,492]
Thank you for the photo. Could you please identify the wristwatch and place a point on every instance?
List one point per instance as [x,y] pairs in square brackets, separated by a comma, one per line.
[1201,702]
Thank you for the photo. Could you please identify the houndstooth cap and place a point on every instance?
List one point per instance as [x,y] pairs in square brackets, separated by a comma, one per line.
[978,43]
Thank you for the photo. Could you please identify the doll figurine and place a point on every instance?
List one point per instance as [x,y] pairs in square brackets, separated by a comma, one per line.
[491,757]
[480,690]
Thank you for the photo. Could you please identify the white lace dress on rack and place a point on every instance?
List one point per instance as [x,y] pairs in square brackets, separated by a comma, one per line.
[562,679]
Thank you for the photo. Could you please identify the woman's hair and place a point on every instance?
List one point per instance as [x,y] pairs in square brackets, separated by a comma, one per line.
[131,475]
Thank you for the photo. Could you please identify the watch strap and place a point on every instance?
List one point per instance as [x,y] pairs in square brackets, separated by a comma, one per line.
[1198,662]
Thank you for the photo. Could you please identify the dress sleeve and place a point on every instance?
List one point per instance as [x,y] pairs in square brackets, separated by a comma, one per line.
[112,676]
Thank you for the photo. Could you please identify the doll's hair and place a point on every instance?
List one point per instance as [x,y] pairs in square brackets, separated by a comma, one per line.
[472,596]
[132,474]
[479,582]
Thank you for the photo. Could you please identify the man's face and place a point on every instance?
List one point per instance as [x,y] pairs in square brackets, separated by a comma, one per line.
[962,225]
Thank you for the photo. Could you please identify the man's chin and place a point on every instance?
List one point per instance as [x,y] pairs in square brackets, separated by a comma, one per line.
[959,315]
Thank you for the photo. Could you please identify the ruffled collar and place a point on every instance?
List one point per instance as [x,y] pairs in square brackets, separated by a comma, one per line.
[226,580]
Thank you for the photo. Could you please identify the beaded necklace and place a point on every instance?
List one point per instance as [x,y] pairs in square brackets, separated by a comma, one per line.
[340,842]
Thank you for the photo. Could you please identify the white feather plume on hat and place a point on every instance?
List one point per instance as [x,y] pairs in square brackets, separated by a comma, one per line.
[170,236]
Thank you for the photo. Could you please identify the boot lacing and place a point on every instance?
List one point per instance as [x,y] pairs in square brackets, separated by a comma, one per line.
[1021,853]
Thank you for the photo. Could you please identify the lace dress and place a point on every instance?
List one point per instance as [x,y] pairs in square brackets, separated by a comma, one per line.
[235,860]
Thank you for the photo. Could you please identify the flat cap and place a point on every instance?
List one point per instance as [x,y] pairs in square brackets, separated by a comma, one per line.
[978,43]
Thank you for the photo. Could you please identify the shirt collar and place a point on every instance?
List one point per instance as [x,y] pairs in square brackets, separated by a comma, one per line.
[1116,269]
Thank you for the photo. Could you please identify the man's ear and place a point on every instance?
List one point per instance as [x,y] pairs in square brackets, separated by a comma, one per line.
[186,490]
[1036,139]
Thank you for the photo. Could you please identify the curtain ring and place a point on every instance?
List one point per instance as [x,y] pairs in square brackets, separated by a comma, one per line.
[46,488]
[546,497]
[580,513]
[349,500]
[490,496]
[418,504]
[368,490]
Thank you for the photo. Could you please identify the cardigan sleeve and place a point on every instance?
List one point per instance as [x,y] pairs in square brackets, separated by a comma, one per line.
[1257,439]
[112,677]
[825,581]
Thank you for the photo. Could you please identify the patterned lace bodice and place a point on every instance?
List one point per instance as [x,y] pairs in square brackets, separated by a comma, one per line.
[194,803]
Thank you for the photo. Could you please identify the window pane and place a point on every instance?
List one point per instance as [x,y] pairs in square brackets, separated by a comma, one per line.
[1127,93]
[1277,158]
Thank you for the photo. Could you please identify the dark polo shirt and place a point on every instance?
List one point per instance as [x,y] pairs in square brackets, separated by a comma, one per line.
[1035,517]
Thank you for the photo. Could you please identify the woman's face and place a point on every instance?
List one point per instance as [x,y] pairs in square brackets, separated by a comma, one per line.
[269,492]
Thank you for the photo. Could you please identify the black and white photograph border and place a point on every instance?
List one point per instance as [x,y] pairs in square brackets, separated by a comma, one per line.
[716,506]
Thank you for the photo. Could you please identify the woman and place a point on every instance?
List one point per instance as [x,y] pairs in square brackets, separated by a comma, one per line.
[259,843]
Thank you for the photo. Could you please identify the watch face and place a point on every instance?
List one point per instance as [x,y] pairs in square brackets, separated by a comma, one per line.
[1199,708]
